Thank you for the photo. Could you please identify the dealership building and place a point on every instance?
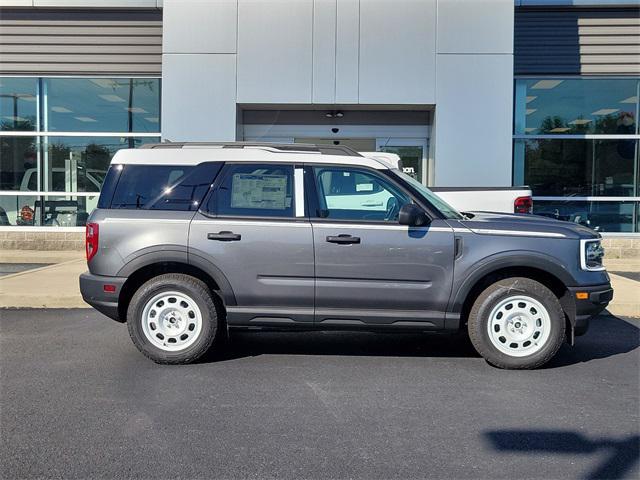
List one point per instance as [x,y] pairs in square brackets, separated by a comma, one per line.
[469,93]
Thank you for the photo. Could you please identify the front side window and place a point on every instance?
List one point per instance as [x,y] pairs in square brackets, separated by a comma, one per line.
[254,191]
[347,193]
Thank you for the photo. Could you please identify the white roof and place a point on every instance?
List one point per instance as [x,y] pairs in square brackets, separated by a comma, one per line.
[193,155]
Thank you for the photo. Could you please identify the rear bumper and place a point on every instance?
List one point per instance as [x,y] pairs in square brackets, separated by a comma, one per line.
[92,290]
[598,297]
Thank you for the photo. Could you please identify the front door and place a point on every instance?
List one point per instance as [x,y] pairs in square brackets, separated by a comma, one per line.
[253,229]
[370,270]
[412,152]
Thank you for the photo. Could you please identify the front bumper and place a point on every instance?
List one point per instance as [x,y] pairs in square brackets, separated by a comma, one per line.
[92,288]
[598,297]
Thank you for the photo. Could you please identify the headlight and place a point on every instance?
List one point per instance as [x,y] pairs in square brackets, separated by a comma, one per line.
[591,255]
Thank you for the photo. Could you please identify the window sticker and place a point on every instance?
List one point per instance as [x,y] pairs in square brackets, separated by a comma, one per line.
[259,191]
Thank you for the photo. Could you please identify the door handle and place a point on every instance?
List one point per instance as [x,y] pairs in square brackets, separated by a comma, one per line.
[343,239]
[372,204]
[224,236]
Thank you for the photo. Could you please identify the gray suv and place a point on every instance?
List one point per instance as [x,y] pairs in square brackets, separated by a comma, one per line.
[190,241]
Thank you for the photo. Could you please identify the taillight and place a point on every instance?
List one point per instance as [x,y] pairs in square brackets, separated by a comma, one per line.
[91,240]
[523,205]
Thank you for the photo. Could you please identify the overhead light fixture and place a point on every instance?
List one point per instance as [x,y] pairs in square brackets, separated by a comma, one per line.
[60,110]
[112,98]
[328,115]
[15,119]
[85,119]
[531,98]
[579,121]
[546,84]
[633,99]
[152,119]
[605,111]
[135,110]
[104,82]
[559,130]
[530,129]
[339,114]
[27,97]
[531,110]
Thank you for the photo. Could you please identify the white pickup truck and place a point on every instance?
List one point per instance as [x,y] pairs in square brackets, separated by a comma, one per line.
[473,199]
[61,208]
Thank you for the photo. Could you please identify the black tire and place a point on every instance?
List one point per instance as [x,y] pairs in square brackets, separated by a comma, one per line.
[492,296]
[199,293]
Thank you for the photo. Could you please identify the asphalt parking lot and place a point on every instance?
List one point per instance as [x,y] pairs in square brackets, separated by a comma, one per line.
[79,401]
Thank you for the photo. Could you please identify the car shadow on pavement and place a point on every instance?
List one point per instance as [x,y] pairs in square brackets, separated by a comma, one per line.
[608,336]
[251,344]
[624,452]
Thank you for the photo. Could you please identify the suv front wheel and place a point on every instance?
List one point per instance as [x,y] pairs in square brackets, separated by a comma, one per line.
[517,323]
[172,319]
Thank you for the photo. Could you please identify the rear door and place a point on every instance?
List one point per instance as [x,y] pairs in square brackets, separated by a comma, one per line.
[253,229]
[370,270]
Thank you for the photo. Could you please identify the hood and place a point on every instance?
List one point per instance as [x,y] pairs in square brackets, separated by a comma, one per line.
[523,223]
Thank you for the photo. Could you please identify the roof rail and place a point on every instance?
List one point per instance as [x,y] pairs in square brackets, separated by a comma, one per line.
[280,147]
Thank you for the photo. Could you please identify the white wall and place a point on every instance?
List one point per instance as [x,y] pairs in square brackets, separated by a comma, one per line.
[397,52]
[275,51]
[474,93]
[454,54]
[473,120]
[198,98]
[199,70]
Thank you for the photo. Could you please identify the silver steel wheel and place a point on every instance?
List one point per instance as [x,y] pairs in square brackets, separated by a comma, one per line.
[519,326]
[171,321]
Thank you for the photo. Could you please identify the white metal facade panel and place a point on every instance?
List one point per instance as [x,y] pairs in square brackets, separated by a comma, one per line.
[347,50]
[275,51]
[324,51]
[473,120]
[219,36]
[472,26]
[199,97]
[397,51]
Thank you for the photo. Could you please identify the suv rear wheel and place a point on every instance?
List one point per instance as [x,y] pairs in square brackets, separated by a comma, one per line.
[172,319]
[517,323]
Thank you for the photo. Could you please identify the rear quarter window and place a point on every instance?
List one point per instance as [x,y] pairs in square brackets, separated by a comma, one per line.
[160,187]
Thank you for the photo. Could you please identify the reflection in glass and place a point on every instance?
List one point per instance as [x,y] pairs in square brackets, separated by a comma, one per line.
[53,211]
[18,103]
[411,157]
[103,104]
[18,163]
[578,167]
[79,164]
[601,216]
[576,106]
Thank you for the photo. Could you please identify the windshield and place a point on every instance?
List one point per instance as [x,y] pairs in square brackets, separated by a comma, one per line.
[447,210]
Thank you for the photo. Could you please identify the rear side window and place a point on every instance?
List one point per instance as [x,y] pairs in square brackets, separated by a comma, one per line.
[163,187]
[254,191]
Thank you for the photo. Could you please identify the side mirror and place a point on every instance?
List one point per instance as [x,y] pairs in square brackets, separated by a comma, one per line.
[412,215]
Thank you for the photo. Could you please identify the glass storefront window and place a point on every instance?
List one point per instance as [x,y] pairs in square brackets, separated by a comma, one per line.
[614,216]
[18,163]
[576,106]
[52,177]
[50,211]
[79,164]
[578,167]
[18,103]
[103,104]
[411,157]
